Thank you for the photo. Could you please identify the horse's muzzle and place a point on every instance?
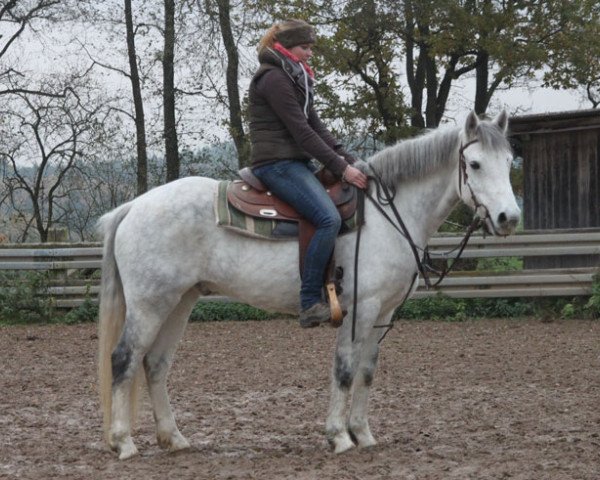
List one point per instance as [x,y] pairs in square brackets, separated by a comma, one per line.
[504,224]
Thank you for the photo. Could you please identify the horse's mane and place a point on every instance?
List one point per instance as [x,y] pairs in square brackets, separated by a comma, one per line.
[417,157]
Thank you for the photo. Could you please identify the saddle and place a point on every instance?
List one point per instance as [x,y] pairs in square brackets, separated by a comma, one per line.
[250,196]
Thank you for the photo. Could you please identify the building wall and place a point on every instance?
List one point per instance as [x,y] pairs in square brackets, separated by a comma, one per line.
[561,162]
[562,180]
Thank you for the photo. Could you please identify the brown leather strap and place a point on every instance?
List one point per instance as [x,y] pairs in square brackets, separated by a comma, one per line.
[306,230]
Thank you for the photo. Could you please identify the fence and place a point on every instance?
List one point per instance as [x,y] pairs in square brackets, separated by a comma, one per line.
[74,268]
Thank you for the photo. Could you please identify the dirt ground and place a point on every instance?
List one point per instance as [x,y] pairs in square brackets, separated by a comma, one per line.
[494,399]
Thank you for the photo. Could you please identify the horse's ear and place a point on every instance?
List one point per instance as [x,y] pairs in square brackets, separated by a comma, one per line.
[471,124]
[502,121]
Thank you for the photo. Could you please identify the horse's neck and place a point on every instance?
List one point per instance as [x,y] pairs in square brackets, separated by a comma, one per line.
[425,203]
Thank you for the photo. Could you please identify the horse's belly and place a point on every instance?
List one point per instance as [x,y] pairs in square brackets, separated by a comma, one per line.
[260,273]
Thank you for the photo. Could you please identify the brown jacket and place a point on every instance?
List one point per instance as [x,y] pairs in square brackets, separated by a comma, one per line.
[279,128]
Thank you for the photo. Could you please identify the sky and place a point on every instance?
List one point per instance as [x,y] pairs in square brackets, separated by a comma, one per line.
[542,100]
[517,101]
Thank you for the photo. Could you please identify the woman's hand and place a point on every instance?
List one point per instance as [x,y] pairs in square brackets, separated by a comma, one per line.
[355,177]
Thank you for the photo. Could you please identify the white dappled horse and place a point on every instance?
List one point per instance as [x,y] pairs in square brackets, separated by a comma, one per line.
[163,250]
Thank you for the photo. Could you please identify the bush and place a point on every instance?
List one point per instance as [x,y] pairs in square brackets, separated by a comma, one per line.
[592,307]
[217,311]
[441,307]
[503,264]
[86,312]
[19,298]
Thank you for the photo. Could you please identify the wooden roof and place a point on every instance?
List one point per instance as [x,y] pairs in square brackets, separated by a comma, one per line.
[556,121]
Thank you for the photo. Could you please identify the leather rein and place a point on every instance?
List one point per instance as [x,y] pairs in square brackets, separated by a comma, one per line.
[385,197]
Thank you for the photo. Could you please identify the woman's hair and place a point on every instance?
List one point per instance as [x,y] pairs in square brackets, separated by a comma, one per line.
[289,33]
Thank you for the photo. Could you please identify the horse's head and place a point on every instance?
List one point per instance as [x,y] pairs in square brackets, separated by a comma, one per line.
[484,173]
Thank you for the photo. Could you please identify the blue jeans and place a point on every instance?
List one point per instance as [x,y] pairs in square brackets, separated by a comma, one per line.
[294,182]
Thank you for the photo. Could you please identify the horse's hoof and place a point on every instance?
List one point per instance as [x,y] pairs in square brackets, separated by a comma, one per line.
[123,445]
[180,444]
[173,442]
[362,437]
[368,443]
[127,450]
[341,443]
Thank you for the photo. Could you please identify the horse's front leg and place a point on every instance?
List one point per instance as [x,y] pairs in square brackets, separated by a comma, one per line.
[358,423]
[344,368]
[346,363]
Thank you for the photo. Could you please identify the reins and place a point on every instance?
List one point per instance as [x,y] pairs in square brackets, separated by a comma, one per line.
[385,197]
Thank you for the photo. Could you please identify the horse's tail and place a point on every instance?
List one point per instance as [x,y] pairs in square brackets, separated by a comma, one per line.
[112,310]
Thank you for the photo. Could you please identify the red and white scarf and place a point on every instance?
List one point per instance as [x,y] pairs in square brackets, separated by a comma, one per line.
[281,49]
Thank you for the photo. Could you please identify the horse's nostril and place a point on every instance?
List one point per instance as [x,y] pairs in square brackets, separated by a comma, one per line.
[502,218]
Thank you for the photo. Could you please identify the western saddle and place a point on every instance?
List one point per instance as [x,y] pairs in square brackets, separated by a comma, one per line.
[251,196]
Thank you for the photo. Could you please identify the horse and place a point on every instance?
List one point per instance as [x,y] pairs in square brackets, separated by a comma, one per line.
[163,250]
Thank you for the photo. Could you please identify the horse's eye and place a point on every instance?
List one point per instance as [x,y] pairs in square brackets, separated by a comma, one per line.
[475,165]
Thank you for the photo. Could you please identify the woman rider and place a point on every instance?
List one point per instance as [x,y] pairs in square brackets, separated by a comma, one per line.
[286,133]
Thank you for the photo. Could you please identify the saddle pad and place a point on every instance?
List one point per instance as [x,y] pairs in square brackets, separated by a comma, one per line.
[229,217]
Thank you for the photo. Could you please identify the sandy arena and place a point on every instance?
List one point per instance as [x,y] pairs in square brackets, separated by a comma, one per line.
[492,399]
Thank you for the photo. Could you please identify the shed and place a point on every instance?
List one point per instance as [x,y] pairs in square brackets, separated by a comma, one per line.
[561,170]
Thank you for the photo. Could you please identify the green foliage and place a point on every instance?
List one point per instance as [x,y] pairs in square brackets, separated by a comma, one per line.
[592,307]
[86,312]
[442,307]
[19,299]
[575,48]
[217,311]
[20,303]
[568,311]
[439,307]
[458,220]
[500,264]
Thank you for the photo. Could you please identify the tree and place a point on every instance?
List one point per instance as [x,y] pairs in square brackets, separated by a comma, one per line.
[105,180]
[44,138]
[117,22]
[138,103]
[575,50]
[236,126]
[501,43]
[448,39]
[356,53]
[419,32]
[170,121]
[504,43]
[15,17]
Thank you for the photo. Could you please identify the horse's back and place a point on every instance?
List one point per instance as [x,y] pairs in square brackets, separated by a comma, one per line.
[188,190]
[185,200]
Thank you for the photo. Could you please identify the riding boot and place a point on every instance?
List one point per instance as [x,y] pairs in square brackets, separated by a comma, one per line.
[314,316]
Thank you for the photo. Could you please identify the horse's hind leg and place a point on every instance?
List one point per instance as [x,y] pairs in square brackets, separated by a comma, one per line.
[157,363]
[142,324]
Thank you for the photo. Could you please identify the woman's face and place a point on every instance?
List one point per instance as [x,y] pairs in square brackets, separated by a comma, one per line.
[303,52]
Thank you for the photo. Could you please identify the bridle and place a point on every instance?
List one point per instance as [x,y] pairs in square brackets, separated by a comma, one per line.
[463,179]
[385,197]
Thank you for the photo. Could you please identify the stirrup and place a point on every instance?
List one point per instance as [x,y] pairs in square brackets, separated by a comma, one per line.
[337,316]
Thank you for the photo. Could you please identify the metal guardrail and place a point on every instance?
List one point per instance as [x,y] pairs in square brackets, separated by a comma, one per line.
[69,291]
